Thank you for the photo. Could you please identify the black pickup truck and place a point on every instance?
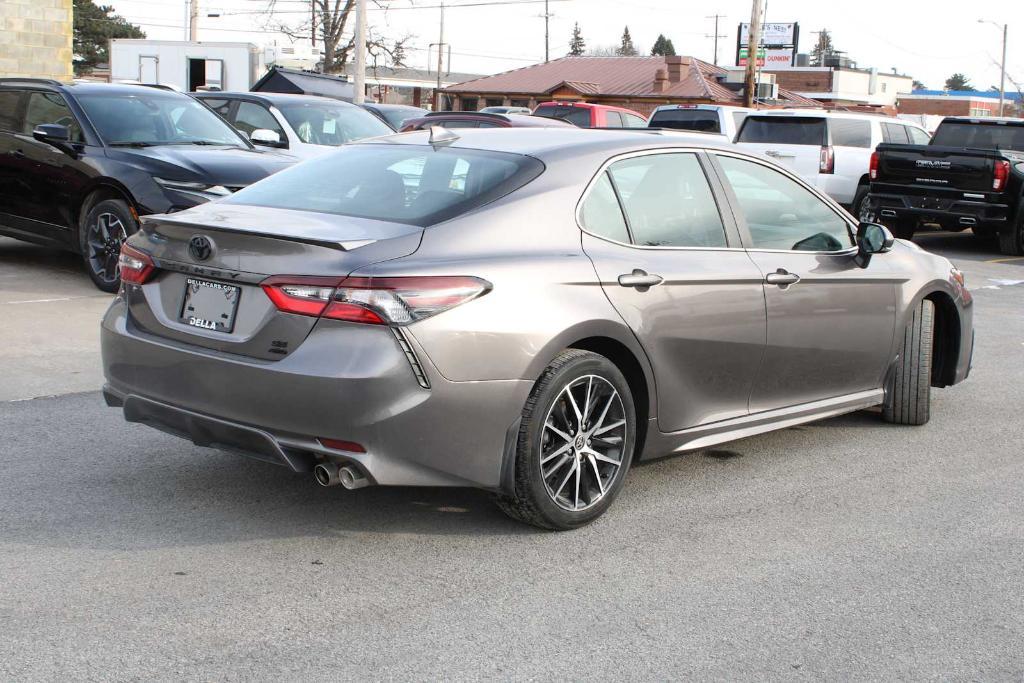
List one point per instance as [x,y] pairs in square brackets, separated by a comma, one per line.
[971,175]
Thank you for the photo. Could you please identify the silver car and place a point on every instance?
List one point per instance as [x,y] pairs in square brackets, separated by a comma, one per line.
[527,311]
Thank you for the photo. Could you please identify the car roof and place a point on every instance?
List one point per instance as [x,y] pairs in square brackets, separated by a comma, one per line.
[392,107]
[729,107]
[552,142]
[272,98]
[87,87]
[828,114]
[997,120]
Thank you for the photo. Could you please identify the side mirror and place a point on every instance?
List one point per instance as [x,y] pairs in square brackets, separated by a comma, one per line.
[872,239]
[51,133]
[265,137]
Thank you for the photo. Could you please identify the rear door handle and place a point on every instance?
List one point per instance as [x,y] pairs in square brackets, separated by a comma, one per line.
[640,280]
[782,278]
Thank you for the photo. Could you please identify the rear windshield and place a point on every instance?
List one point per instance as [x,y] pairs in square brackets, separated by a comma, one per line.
[783,131]
[702,120]
[979,135]
[576,115]
[412,184]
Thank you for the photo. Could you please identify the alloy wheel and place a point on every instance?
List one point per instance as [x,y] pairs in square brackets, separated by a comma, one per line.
[106,234]
[582,443]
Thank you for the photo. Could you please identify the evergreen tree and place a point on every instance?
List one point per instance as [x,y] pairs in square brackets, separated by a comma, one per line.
[823,49]
[94,27]
[577,46]
[627,48]
[663,46]
[958,82]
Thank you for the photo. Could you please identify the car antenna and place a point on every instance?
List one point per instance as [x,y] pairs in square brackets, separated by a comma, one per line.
[439,135]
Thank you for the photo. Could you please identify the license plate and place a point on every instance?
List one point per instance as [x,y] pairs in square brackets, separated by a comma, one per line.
[210,305]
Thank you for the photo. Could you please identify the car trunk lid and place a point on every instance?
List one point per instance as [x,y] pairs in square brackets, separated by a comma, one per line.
[211,260]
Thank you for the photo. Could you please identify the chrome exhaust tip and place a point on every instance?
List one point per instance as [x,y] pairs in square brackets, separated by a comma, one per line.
[326,474]
[351,478]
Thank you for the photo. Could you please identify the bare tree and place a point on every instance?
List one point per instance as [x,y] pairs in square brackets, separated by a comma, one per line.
[330,20]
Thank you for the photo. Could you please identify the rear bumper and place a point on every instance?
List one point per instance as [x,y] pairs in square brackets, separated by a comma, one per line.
[947,212]
[349,382]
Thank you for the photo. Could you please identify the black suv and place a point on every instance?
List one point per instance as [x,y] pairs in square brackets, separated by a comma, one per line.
[80,163]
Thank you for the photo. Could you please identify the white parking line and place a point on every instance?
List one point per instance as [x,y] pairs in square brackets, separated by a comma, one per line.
[47,301]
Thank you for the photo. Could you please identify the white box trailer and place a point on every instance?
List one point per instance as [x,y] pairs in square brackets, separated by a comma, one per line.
[186,65]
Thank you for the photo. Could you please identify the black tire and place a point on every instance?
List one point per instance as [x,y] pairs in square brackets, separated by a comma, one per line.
[984,232]
[861,205]
[908,395]
[532,501]
[1011,237]
[103,229]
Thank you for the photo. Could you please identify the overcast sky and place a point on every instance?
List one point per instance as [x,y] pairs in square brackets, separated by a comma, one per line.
[928,40]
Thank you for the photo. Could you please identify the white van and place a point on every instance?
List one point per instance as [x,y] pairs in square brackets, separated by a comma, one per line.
[700,118]
[830,150]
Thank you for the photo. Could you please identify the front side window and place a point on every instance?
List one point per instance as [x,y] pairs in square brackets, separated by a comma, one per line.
[613,119]
[918,136]
[850,133]
[781,213]
[221,106]
[251,116]
[127,117]
[50,108]
[332,124]
[634,121]
[412,184]
[668,201]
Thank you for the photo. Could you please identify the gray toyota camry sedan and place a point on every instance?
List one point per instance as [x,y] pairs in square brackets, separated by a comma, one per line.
[526,311]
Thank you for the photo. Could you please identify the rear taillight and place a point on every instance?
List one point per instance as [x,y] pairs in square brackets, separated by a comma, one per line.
[827,161]
[873,166]
[136,267]
[999,175]
[373,301]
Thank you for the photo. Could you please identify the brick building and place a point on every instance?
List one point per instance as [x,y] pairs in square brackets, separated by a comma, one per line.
[35,38]
[637,83]
[958,103]
[845,86]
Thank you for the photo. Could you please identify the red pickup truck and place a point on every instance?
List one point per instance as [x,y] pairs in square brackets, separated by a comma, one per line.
[587,115]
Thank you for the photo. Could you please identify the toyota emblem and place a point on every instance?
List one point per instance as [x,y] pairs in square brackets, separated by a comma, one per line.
[200,247]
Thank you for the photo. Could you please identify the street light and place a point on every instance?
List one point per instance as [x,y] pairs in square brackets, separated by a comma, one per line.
[1002,67]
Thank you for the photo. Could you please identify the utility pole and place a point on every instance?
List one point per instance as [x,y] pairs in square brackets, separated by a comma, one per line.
[1002,76]
[360,48]
[547,36]
[1002,65]
[440,61]
[753,47]
[716,17]
[193,20]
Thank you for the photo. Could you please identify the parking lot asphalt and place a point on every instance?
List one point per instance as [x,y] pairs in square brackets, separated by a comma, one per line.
[842,549]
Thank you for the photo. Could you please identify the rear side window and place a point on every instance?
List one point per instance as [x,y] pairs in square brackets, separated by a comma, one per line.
[613,119]
[579,116]
[895,133]
[797,130]
[9,109]
[668,201]
[48,107]
[601,214]
[850,133]
[702,120]
[412,184]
